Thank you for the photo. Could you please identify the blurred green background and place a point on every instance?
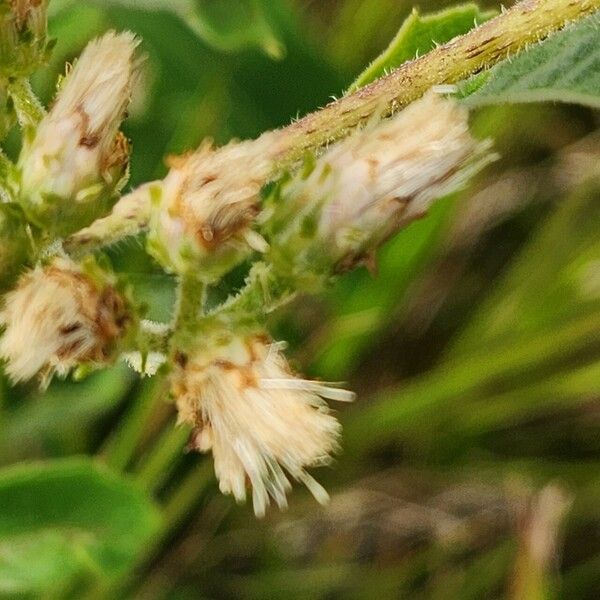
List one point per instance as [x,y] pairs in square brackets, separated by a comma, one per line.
[470,458]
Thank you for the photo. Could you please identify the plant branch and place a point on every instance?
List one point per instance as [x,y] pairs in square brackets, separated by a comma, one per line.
[527,22]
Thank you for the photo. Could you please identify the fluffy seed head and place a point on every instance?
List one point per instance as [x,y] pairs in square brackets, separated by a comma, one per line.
[208,200]
[259,420]
[77,159]
[365,188]
[58,317]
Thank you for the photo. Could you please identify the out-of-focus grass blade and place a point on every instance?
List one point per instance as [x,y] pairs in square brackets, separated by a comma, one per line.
[550,281]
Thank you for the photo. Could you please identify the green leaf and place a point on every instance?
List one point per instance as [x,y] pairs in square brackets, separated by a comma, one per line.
[233,24]
[563,68]
[60,420]
[419,35]
[68,519]
[227,25]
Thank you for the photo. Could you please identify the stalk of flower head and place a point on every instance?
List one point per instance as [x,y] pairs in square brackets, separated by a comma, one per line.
[24,45]
[333,213]
[7,113]
[76,162]
[262,424]
[61,316]
[16,250]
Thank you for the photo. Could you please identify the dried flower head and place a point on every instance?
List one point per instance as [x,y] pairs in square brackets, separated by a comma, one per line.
[207,202]
[258,419]
[365,188]
[23,41]
[57,317]
[77,160]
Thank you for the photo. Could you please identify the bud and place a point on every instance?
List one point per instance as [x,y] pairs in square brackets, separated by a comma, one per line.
[24,45]
[75,165]
[58,317]
[202,215]
[339,208]
[16,249]
[258,419]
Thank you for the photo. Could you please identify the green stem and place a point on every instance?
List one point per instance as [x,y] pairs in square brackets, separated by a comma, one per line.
[129,216]
[264,291]
[27,105]
[156,465]
[121,447]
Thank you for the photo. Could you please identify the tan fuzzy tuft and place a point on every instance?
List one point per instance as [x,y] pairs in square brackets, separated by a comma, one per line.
[258,419]
[383,177]
[56,318]
[78,159]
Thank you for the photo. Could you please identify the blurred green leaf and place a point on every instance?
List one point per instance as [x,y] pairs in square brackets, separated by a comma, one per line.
[59,417]
[419,34]
[65,519]
[563,68]
[226,25]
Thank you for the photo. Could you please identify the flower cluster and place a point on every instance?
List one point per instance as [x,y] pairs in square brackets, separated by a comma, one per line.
[333,213]
[264,425]
[205,205]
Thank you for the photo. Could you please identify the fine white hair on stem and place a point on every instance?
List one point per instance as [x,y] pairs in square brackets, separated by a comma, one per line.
[57,317]
[261,423]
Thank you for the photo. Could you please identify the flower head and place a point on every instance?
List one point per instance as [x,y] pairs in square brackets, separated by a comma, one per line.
[368,186]
[57,317]
[77,160]
[207,203]
[259,420]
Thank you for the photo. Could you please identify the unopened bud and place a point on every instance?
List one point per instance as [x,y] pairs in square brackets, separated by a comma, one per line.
[15,249]
[59,317]
[24,45]
[202,215]
[260,421]
[337,210]
[77,161]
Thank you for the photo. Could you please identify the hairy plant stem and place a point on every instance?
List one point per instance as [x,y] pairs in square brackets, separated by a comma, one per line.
[525,23]
[27,105]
